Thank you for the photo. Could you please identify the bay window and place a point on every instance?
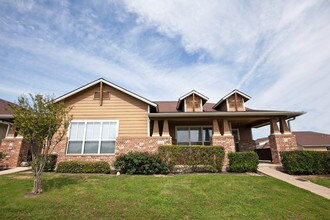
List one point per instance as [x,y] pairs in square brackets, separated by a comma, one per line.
[92,137]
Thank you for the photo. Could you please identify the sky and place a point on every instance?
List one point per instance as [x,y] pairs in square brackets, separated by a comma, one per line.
[277,52]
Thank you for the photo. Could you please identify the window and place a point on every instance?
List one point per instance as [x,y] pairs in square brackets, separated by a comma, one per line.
[193,135]
[92,137]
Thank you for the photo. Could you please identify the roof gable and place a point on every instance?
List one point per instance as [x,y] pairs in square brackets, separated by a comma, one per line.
[245,97]
[109,84]
[203,97]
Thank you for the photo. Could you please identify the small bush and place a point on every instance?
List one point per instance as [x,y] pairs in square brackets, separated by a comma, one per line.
[197,158]
[83,167]
[2,155]
[306,162]
[141,163]
[50,163]
[243,162]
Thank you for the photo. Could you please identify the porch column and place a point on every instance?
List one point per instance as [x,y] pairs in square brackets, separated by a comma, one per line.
[226,140]
[226,128]
[273,127]
[216,130]
[166,132]
[284,127]
[155,131]
[280,140]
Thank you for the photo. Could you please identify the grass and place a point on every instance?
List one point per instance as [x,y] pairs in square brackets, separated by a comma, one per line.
[323,181]
[210,196]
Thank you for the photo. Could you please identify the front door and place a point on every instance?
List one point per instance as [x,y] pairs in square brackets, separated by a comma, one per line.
[235,133]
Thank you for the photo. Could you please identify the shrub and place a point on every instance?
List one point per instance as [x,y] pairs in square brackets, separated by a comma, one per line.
[197,158]
[306,162]
[141,163]
[50,163]
[83,167]
[243,162]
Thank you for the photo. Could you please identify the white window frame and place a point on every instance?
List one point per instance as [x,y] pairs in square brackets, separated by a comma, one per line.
[99,140]
[194,126]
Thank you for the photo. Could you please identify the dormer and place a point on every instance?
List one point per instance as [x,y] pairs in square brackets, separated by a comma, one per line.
[233,102]
[192,102]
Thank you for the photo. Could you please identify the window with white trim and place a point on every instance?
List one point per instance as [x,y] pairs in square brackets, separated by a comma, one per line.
[92,137]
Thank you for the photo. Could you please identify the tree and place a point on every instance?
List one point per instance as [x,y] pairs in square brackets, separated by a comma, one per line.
[43,123]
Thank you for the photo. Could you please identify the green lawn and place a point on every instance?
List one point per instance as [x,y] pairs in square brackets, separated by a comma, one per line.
[210,196]
[323,181]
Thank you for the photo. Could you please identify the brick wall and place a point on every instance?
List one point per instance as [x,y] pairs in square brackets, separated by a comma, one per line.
[124,145]
[229,145]
[281,142]
[16,150]
[247,145]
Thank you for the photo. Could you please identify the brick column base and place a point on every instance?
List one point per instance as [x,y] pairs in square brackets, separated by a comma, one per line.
[16,151]
[229,145]
[281,142]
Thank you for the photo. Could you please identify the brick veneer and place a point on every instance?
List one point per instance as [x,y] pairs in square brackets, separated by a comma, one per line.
[16,151]
[123,146]
[281,142]
[247,145]
[229,145]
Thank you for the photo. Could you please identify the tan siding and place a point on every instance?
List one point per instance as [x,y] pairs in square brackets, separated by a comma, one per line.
[131,112]
[315,148]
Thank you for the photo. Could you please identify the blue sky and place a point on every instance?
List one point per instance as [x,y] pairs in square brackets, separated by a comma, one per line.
[278,52]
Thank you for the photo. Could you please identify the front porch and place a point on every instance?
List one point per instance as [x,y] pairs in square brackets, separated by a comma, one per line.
[233,133]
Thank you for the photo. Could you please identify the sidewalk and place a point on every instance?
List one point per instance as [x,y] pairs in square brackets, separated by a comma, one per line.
[309,186]
[14,170]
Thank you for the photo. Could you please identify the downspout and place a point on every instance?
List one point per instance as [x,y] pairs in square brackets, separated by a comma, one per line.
[8,126]
[288,121]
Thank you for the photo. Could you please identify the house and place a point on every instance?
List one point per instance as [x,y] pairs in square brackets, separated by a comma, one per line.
[109,120]
[15,148]
[306,140]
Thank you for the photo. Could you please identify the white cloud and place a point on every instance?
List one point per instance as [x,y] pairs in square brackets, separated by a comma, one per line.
[280,50]
[277,52]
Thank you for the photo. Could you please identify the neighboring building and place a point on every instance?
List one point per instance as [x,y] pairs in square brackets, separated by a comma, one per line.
[13,146]
[306,140]
[109,120]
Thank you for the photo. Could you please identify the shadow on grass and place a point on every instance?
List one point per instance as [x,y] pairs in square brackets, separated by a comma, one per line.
[58,182]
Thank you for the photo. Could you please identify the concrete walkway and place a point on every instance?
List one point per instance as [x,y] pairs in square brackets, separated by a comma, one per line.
[270,170]
[14,170]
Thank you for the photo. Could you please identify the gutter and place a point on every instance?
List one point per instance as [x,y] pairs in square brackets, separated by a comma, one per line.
[224,114]
[6,116]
